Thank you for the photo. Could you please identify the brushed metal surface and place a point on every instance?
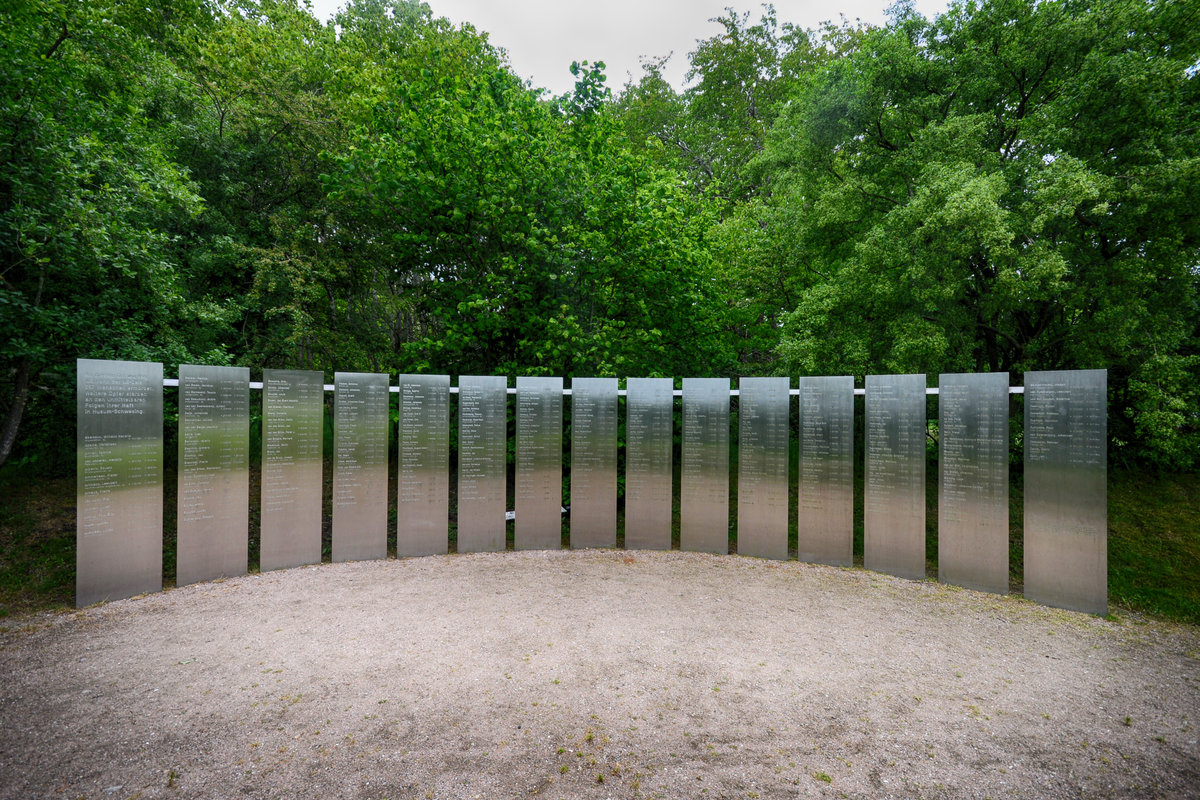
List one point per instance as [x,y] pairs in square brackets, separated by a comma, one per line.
[704,487]
[649,443]
[118,479]
[594,462]
[482,474]
[214,473]
[973,481]
[763,442]
[895,475]
[293,403]
[1066,489]
[539,464]
[423,493]
[825,518]
[360,465]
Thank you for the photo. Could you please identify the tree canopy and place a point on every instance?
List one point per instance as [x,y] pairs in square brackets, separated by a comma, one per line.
[1003,188]
[1007,187]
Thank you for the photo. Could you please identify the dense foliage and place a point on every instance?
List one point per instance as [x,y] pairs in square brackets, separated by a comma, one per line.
[1010,186]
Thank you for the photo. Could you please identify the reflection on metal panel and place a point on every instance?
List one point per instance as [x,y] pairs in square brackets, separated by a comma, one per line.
[482,477]
[423,493]
[825,519]
[214,473]
[704,492]
[763,442]
[119,479]
[1066,490]
[360,466]
[973,481]
[539,464]
[649,433]
[594,462]
[895,475]
[293,413]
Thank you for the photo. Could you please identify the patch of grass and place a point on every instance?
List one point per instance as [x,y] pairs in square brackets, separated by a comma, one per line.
[37,544]
[1154,543]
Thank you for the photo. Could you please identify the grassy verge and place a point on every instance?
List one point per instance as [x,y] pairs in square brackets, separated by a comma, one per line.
[37,545]
[1153,542]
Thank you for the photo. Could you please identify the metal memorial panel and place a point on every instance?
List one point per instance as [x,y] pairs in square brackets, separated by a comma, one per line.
[423,493]
[704,488]
[119,479]
[214,473]
[973,481]
[539,464]
[894,524]
[482,474]
[649,443]
[293,407]
[594,462]
[763,442]
[1066,489]
[825,517]
[360,466]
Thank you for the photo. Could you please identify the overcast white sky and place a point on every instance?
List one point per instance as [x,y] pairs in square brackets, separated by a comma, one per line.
[543,37]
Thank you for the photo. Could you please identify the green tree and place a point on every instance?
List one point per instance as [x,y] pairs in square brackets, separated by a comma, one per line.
[712,133]
[252,112]
[483,228]
[88,195]
[1004,188]
[738,81]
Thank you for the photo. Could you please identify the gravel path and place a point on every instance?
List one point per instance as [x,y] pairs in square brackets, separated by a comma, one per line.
[593,674]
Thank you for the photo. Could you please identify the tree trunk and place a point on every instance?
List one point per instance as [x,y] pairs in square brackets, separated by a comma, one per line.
[12,420]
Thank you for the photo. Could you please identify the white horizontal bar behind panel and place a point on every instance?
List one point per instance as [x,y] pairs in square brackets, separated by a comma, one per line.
[174,382]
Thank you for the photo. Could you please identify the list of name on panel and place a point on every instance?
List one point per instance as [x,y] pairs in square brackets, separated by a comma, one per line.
[290,438]
[116,457]
[212,441]
[538,448]
[424,460]
[361,443]
[824,433]
[764,453]
[587,457]
[481,451]
[648,453]
[703,469]
[973,454]
[895,458]
[1067,425]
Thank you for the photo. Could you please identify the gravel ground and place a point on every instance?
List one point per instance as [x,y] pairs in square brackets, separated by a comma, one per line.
[593,674]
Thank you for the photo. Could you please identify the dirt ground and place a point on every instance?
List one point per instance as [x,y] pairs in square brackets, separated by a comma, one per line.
[601,674]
